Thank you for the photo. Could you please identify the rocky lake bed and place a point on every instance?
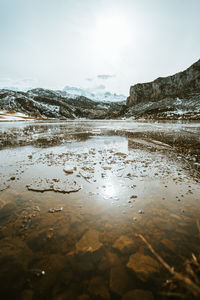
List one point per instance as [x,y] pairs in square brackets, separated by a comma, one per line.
[74,195]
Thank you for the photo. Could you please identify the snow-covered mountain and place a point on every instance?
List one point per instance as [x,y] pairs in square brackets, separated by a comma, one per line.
[95,94]
[44,103]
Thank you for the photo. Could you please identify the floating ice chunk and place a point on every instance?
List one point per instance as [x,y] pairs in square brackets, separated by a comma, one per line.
[68,169]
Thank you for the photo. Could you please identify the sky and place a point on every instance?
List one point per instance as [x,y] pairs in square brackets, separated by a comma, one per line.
[101,44]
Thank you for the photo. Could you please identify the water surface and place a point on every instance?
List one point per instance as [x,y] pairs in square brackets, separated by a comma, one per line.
[73,196]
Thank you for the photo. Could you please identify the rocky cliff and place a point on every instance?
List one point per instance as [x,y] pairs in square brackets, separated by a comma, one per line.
[182,85]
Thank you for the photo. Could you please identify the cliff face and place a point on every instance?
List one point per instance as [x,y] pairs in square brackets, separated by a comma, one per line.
[181,85]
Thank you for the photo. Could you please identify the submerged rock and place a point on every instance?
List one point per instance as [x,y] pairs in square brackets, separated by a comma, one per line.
[138,295]
[110,259]
[97,288]
[89,242]
[120,282]
[27,295]
[123,243]
[84,297]
[7,211]
[143,265]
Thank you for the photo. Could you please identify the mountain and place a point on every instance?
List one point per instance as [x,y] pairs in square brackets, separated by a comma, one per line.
[176,96]
[95,94]
[173,97]
[44,103]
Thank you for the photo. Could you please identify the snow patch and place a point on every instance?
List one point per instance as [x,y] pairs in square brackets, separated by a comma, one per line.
[12,116]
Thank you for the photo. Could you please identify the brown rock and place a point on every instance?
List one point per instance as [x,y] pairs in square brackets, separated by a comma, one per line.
[143,265]
[89,242]
[84,297]
[138,295]
[109,260]
[97,288]
[123,243]
[120,282]
[27,295]
[169,244]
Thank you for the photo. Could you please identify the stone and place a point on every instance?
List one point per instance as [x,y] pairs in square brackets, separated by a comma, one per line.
[119,283]
[84,297]
[123,243]
[56,209]
[69,294]
[97,288]
[169,244]
[27,295]
[68,170]
[109,260]
[133,197]
[138,295]
[89,242]
[50,233]
[7,210]
[143,265]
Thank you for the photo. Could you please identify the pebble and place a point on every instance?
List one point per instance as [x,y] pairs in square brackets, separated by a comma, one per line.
[68,170]
[36,208]
[53,210]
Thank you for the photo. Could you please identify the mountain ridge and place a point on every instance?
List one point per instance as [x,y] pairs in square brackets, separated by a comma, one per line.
[52,104]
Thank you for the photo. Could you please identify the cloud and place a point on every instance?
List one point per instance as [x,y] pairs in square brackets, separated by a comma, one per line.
[105,76]
[89,79]
[18,84]
[100,87]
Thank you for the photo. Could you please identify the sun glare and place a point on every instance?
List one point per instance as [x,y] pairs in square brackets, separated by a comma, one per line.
[109,191]
[112,34]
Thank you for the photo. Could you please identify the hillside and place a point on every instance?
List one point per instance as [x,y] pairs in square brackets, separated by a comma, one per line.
[176,96]
[43,103]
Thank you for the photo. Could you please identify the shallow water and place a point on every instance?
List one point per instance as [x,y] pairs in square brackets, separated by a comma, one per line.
[69,210]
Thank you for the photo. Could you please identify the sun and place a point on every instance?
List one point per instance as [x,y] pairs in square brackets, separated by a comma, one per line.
[112,34]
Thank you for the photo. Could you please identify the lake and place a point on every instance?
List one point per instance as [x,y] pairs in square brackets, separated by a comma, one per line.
[74,195]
